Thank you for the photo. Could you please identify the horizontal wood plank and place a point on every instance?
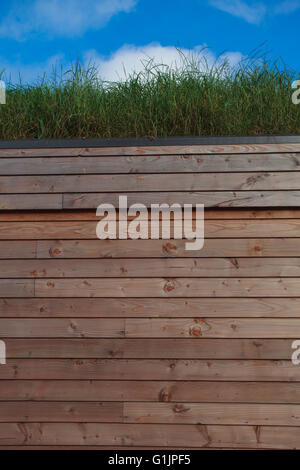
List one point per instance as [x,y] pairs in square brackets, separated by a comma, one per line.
[62,328]
[196,328]
[150,307]
[160,413]
[225,163]
[210,328]
[213,413]
[283,228]
[149,348]
[89,215]
[141,343]
[151,150]
[16,288]
[154,369]
[194,268]
[264,181]
[209,199]
[197,436]
[18,249]
[150,391]
[96,412]
[229,247]
[159,287]
[30,201]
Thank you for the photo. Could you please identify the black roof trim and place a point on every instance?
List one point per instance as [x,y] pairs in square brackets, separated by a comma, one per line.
[145,141]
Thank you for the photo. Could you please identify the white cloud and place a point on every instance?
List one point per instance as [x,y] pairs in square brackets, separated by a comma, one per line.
[129,59]
[125,61]
[56,17]
[287,7]
[253,13]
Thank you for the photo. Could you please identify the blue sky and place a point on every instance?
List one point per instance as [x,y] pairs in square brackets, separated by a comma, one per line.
[36,34]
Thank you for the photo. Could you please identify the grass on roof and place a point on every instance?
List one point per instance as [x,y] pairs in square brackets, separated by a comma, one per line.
[193,99]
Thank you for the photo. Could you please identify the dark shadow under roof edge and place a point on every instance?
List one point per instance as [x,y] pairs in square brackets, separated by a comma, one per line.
[159,141]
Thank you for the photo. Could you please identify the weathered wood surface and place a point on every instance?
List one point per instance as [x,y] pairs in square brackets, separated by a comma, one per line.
[149,164]
[213,413]
[119,183]
[152,369]
[163,287]
[208,198]
[141,348]
[97,412]
[63,328]
[16,288]
[153,150]
[254,175]
[164,435]
[125,268]
[210,214]
[213,248]
[132,343]
[227,247]
[17,250]
[30,201]
[150,391]
[149,328]
[265,307]
[160,413]
[211,328]
[83,230]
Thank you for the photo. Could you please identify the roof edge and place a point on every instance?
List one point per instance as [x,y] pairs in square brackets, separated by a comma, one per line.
[147,141]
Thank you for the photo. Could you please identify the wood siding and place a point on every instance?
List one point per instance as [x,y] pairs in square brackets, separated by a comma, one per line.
[128,344]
